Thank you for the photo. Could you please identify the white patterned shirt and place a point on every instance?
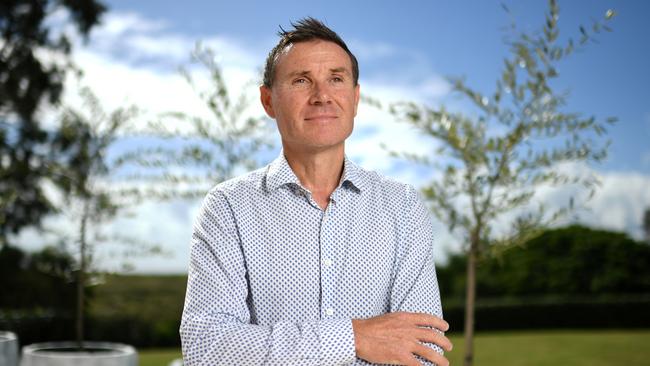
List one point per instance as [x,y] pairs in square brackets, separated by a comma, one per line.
[276,280]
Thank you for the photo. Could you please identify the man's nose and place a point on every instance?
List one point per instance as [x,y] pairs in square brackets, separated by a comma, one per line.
[320,94]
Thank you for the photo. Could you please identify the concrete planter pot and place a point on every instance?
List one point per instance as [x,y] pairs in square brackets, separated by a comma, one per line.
[177,362]
[67,354]
[8,349]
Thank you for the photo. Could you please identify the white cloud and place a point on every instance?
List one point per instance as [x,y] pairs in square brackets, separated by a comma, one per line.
[618,205]
[167,224]
[130,59]
[620,202]
[126,37]
[368,51]
[117,24]
[374,127]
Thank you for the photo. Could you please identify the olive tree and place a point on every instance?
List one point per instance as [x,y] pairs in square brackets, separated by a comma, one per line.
[192,152]
[92,197]
[512,143]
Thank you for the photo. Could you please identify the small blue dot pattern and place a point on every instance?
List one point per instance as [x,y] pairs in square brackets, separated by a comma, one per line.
[276,280]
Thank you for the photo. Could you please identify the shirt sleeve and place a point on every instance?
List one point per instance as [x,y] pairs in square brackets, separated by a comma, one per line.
[415,288]
[216,325]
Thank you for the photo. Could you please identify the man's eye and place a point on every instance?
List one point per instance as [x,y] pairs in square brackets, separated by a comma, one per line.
[300,81]
[337,79]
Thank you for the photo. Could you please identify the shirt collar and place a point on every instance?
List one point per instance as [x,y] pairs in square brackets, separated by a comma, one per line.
[352,175]
[279,173]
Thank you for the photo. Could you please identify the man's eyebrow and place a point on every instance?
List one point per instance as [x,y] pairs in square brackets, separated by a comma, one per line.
[299,73]
[335,70]
[340,70]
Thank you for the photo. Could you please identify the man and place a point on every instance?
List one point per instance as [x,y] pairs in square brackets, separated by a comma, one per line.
[312,260]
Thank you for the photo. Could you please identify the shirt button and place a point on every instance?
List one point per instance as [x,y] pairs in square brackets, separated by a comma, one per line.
[328,262]
[329,311]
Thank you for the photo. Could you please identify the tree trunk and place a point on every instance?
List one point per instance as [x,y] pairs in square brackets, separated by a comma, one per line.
[470,300]
[81,277]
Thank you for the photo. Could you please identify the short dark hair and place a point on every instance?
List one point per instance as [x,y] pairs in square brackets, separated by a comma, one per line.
[304,30]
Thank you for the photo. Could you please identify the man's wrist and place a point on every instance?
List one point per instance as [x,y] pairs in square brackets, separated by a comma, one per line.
[357,326]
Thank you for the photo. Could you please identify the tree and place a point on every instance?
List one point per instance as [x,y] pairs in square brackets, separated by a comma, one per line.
[192,152]
[494,162]
[29,80]
[93,196]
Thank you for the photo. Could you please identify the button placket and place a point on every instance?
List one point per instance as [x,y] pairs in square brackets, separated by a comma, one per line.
[327,275]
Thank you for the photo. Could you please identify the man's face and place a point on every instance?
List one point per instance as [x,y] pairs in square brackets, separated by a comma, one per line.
[313,97]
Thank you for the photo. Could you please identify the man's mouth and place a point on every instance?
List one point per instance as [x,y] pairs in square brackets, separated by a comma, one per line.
[321,117]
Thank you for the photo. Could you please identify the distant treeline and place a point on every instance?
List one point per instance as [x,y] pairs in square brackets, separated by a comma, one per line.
[570,262]
[573,277]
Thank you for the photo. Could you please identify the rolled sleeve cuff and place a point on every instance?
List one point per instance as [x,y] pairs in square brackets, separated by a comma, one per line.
[337,342]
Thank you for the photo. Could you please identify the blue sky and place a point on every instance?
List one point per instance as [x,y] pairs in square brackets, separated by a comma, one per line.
[405,50]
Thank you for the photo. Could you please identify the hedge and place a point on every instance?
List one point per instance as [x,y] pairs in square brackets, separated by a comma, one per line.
[629,313]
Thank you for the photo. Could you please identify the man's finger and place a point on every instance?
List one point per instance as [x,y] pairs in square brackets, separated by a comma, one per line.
[432,336]
[427,320]
[413,361]
[430,355]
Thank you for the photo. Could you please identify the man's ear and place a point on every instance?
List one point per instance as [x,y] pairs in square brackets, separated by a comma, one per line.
[265,98]
[357,96]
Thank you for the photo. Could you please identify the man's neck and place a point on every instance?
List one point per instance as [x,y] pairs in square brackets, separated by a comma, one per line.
[319,172]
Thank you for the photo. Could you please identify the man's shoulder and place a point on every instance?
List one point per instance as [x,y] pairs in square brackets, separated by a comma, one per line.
[242,184]
[378,182]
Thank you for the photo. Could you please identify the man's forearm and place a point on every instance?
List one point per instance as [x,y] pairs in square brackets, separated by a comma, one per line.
[222,339]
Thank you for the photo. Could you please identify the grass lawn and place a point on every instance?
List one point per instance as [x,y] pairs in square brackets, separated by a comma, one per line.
[574,348]
[158,357]
[569,348]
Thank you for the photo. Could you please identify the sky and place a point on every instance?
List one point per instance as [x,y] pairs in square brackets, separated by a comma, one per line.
[406,51]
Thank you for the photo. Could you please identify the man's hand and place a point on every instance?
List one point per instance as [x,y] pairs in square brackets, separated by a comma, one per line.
[394,338]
